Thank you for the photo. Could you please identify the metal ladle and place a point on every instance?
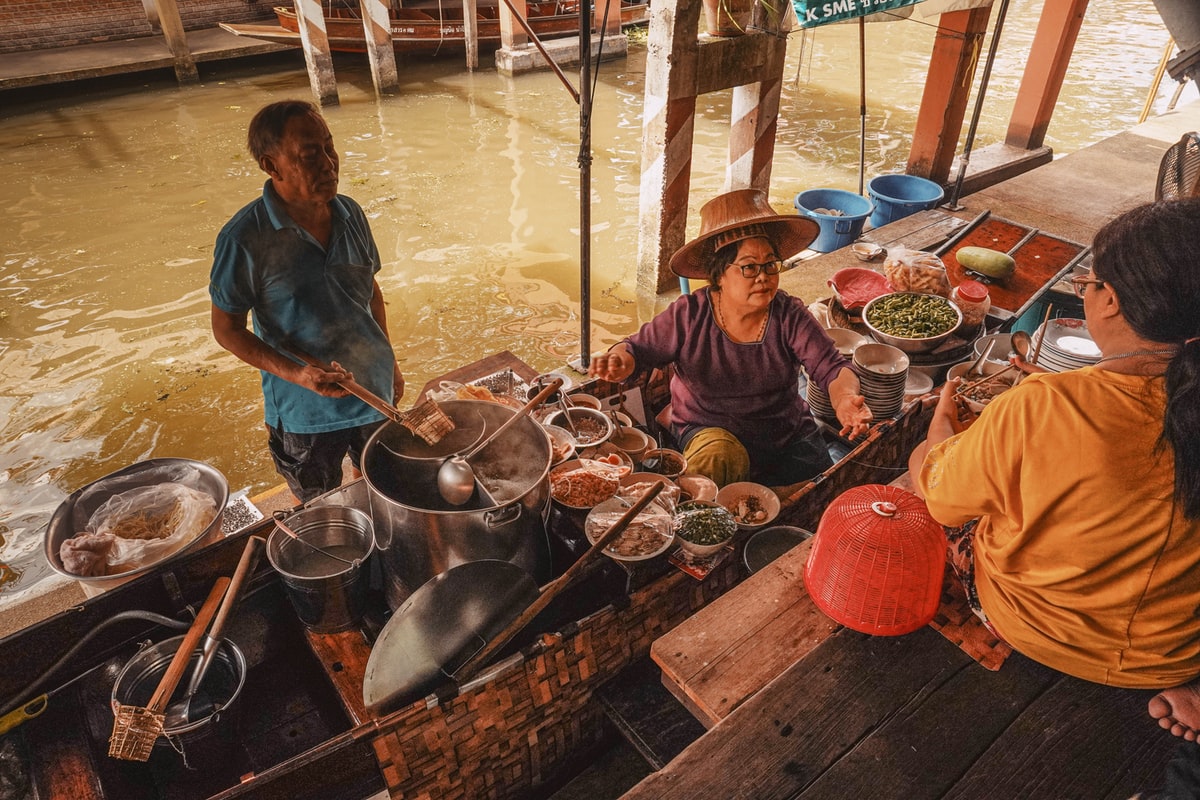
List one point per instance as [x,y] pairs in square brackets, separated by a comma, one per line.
[976,365]
[456,479]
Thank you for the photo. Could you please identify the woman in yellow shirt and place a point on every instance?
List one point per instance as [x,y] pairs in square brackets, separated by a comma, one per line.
[1080,491]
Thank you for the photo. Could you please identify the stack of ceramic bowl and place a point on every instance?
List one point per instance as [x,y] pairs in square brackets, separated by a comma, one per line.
[882,373]
[1066,344]
[818,403]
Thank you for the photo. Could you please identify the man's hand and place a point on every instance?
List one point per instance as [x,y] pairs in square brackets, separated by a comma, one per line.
[323,382]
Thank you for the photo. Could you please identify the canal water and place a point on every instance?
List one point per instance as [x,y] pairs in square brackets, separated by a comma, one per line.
[113,192]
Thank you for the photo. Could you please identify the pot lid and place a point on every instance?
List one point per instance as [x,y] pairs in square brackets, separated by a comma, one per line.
[445,622]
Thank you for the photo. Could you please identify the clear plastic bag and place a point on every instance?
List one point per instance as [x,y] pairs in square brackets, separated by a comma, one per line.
[915,271]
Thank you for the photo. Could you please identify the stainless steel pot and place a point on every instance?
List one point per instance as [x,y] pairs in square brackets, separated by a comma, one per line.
[420,535]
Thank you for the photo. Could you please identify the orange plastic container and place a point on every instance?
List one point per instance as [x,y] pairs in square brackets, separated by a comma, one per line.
[877,561]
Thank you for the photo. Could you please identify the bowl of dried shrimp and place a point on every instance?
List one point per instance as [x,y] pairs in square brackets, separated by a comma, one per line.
[751,504]
[648,535]
[583,483]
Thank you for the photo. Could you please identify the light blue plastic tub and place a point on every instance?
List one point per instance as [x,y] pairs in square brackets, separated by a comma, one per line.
[836,230]
[897,196]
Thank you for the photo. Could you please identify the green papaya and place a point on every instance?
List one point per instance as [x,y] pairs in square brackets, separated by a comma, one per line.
[986,261]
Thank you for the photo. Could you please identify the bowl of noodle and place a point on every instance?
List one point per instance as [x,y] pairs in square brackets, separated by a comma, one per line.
[135,519]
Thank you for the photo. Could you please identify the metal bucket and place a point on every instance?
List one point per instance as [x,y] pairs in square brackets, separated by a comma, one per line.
[197,741]
[327,594]
[420,535]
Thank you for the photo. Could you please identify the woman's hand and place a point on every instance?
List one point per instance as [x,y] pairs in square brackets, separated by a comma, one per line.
[952,413]
[845,395]
[614,366]
[855,416]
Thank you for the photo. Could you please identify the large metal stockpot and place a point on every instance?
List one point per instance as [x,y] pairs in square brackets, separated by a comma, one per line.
[420,535]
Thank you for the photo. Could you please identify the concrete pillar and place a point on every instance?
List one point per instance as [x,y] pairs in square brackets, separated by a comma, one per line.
[948,82]
[315,41]
[1044,72]
[172,28]
[377,28]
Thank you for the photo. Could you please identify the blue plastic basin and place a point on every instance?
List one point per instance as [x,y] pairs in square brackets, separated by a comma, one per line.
[837,230]
[897,196]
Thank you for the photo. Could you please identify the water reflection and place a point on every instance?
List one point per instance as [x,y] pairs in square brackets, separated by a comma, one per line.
[112,199]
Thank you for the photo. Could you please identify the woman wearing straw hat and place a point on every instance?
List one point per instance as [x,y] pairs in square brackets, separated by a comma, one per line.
[738,346]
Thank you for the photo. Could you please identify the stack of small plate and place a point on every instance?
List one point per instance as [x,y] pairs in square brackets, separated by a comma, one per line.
[882,374]
[1066,345]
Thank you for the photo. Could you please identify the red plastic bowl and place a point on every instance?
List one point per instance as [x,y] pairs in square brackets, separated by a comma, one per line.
[857,286]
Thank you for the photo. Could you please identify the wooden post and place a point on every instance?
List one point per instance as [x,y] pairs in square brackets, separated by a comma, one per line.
[377,28]
[679,67]
[172,27]
[948,82]
[755,111]
[471,33]
[613,9]
[512,35]
[315,41]
[1044,71]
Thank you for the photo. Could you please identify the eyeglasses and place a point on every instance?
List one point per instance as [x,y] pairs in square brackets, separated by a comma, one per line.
[752,270]
[1080,284]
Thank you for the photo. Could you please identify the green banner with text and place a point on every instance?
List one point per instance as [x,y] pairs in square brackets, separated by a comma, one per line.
[812,13]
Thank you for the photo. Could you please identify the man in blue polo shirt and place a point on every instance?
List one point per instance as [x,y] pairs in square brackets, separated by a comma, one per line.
[302,261]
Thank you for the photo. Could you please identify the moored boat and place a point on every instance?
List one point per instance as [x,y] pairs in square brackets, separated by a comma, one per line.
[434,29]
[303,729]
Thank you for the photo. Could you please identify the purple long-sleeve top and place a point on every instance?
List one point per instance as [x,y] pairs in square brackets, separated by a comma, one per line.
[750,389]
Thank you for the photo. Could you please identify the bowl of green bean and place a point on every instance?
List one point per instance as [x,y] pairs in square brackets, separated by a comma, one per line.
[912,321]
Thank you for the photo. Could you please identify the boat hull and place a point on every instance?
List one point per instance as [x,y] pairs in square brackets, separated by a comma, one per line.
[523,723]
[418,31]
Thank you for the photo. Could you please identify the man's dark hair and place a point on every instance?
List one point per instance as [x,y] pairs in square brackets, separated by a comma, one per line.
[266,129]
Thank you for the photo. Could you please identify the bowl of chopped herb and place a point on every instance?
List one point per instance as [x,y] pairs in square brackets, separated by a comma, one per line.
[703,528]
[912,321]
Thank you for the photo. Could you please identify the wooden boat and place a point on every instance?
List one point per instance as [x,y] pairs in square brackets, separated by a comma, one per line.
[431,29]
[524,724]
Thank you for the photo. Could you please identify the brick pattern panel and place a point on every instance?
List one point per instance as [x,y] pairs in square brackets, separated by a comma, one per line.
[515,732]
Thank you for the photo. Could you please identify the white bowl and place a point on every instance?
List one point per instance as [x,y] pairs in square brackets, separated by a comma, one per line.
[585,419]
[562,444]
[700,512]
[698,487]
[846,340]
[1001,384]
[632,441]
[584,401]
[745,496]
[664,461]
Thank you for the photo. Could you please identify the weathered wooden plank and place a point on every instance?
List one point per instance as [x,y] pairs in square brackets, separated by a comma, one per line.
[729,650]
[1078,740]
[783,738]
[923,749]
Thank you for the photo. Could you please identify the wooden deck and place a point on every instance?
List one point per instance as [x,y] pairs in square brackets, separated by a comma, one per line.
[803,708]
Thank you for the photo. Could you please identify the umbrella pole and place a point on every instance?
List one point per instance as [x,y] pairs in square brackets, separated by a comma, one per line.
[983,82]
[862,100]
[585,183]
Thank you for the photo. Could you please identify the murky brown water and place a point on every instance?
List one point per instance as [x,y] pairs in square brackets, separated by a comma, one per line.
[111,200]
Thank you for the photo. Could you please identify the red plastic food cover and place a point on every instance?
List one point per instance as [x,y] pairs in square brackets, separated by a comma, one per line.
[877,561]
[857,286]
